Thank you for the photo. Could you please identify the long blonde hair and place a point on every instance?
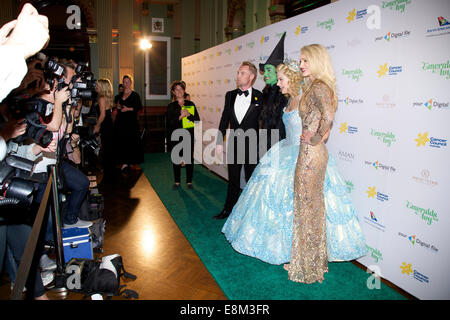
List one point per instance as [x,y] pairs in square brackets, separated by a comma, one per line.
[321,69]
[105,91]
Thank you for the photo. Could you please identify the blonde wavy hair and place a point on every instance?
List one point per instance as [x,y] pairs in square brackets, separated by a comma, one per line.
[295,79]
[321,69]
[105,91]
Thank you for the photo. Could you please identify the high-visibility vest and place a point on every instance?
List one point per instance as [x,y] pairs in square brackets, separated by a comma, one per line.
[185,121]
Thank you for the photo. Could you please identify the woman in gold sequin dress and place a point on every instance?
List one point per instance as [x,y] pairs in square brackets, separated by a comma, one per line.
[317,109]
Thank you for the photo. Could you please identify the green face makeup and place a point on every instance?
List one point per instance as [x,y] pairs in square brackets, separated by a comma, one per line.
[270,74]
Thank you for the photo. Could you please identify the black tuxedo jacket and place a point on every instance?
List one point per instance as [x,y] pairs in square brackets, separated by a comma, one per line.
[250,120]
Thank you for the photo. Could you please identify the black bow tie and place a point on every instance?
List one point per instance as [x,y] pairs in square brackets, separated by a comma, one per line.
[242,92]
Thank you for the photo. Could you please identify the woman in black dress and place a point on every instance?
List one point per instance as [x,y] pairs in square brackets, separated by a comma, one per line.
[129,147]
[181,114]
[104,127]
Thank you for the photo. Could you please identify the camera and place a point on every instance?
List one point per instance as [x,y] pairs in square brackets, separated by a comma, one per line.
[14,186]
[33,110]
[87,136]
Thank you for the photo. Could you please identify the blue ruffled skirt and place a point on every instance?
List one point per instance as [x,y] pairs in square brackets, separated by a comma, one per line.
[261,222]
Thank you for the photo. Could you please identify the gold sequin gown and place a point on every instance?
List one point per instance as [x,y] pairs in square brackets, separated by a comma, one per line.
[309,243]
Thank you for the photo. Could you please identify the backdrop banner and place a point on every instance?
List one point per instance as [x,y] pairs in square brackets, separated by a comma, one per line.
[390,135]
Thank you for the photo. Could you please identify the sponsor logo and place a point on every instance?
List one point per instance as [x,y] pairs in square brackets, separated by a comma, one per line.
[327,24]
[378,165]
[251,44]
[427,215]
[384,70]
[416,242]
[393,36]
[425,178]
[346,156]
[422,140]
[300,30]
[238,48]
[386,137]
[372,192]
[349,185]
[375,253]
[345,128]
[432,104]
[386,103]
[349,100]
[354,74]
[356,15]
[442,29]
[407,269]
[374,222]
[442,69]
[397,5]
[264,39]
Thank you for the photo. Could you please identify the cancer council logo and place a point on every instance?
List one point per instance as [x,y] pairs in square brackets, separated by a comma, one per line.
[345,128]
[372,192]
[384,70]
[300,30]
[422,140]
[407,269]
[264,39]
[356,15]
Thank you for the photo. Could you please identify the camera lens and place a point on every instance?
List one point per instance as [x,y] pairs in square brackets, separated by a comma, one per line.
[40,135]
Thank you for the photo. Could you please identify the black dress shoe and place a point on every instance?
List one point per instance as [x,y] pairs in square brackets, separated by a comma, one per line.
[222,215]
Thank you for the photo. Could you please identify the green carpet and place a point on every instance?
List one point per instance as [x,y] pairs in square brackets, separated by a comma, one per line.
[241,277]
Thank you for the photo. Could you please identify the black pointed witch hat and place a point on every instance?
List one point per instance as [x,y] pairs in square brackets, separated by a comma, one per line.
[277,55]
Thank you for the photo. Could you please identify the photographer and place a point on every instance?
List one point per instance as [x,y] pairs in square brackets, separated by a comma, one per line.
[72,178]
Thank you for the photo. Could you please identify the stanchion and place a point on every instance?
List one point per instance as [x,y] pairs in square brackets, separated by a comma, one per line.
[30,249]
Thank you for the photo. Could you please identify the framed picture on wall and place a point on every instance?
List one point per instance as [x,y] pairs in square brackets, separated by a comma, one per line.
[157,69]
[158,25]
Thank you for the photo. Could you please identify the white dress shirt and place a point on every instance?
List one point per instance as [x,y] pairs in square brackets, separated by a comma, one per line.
[242,104]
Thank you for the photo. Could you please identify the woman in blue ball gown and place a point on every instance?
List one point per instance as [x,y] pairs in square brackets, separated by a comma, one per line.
[261,222]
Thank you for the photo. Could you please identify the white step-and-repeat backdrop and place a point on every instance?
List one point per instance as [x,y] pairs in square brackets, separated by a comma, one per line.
[390,135]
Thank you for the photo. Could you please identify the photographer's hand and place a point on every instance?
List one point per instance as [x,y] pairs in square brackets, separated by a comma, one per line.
[51,147]
[30,32]
[62,96]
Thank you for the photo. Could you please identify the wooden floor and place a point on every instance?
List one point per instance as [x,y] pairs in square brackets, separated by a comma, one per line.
[139,228]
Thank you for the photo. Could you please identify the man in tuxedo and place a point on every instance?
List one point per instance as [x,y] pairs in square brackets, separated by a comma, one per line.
[241,113]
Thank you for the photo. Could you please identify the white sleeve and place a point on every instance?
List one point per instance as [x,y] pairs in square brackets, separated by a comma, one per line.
[12,69]
[3,148]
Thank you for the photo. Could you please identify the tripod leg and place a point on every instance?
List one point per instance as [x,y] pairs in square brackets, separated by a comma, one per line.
[57,234]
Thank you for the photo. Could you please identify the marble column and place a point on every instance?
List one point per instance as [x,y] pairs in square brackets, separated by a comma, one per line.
[104,39]
[126,39]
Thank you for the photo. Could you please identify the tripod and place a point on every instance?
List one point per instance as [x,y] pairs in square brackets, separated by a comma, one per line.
[30,249]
